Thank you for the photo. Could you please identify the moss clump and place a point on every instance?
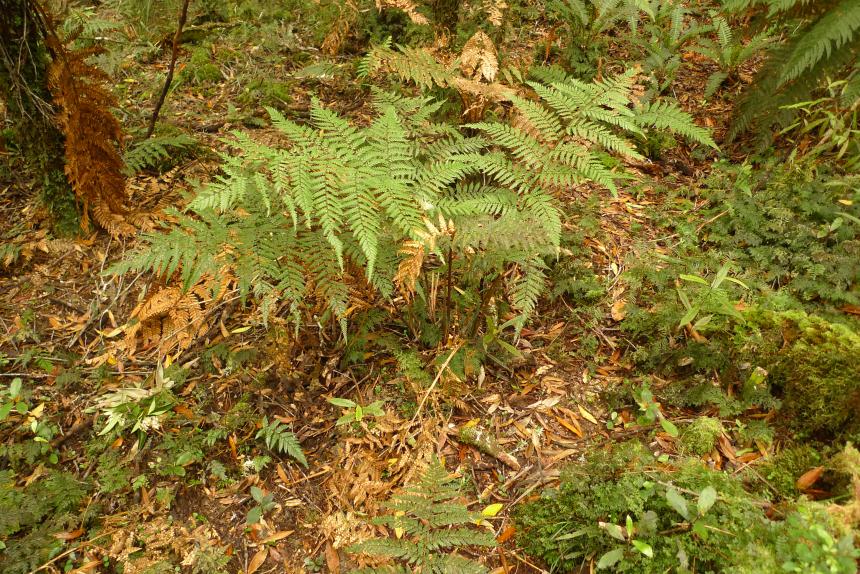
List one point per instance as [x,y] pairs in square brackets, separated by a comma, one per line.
[566,527]
[700,436]
[814,364]
[200,69]
[783,470]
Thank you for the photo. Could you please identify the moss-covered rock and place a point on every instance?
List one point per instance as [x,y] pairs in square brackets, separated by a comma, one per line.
[783,469]
[815,364]
[567,527]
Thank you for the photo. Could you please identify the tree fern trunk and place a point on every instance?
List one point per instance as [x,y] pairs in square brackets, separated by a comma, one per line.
[24,90]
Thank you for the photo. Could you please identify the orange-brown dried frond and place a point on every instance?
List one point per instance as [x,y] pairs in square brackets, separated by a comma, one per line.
[406,6]
[172,319]
[479,60]
[495,10]
[409,268]
[93,136]
[340,29]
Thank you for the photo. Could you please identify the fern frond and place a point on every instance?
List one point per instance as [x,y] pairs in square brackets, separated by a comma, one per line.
[279,438]
[839,26]
[668,116]
[153,151]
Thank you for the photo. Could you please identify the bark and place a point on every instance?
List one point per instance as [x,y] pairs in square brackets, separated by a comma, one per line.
[24,91]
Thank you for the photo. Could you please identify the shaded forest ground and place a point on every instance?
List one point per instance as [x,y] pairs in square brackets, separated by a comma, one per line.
[589,371]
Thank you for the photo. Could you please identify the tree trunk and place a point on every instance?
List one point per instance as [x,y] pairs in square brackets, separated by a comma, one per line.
[24,89]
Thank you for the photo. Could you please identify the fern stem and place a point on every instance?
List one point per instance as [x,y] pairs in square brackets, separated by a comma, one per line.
[170,68]
[450,281]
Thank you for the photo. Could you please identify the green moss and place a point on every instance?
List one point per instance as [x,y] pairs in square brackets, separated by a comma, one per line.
[783,469]
[813,363]
[700,436]
[201,69]
[563,528]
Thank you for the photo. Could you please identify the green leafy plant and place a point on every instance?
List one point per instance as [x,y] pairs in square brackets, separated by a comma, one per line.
[277,437]
[650,411]
[354,412]
[683,518]
[728,51]
[429,526]
[378,199]
[13,399]
[710,298]
[265,503]
[832,123]
[138,408]
[821,42]
[662,38]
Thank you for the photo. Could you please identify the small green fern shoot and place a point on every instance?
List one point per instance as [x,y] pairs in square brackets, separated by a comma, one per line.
[277,437]
[429,526]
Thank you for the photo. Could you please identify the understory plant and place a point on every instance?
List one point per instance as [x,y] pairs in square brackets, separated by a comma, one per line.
[622,510]
[429,524]
[406,204]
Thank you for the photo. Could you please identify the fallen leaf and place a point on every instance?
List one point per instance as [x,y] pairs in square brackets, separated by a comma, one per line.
[257,561]
[571,426]
[618,310]
[331,559]
[276,536]
[506,534]
[492,510]
[808,478]
[282,474]
[587,415]
[69,535]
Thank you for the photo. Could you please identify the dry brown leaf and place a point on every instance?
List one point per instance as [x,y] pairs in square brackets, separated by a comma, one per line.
[809,478]
[406,6]
[276,536]
[506,534]
[331,559]
[619,310]
[69,535]
[572,426]
[495,10]
[257,561]
[587,415]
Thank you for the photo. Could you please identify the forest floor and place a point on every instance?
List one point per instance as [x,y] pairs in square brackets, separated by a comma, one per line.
[185,487]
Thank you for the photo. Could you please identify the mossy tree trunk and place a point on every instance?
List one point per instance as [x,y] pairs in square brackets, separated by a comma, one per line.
[24,90]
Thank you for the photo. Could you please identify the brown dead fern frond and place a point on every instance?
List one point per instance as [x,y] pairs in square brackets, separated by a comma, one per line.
[172,319]
[93,135]
[408,7]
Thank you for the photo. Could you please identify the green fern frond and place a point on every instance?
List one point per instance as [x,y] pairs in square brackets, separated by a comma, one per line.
[152,152]
[279,438]
[832,32]
[434,524]
[668,116]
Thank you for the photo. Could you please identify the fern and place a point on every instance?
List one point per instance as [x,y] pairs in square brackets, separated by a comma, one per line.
[278,438]
[823,44]
[297,223]
[432,526]
[561,134]
[153,151]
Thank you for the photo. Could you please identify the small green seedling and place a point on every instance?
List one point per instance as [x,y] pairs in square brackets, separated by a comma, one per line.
[354,412]
[712,298]
[265,502]
[12,399]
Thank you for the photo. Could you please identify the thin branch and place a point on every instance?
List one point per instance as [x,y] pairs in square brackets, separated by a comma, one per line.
[169,79]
